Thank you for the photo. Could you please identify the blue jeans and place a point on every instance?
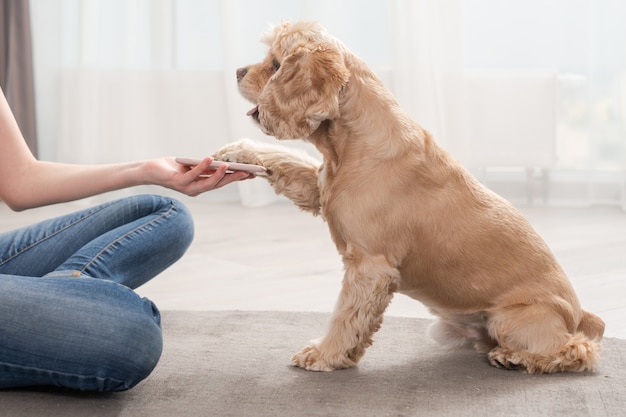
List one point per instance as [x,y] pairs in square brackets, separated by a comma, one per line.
[68,314]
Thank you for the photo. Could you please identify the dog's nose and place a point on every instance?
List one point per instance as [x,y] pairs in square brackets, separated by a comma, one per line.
[241,72]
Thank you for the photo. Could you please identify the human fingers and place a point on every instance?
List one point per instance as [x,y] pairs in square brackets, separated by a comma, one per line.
[219,179]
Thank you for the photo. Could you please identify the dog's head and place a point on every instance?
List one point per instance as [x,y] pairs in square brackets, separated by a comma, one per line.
[298,84]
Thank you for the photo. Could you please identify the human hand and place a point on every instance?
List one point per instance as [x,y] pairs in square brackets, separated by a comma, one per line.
[191,181]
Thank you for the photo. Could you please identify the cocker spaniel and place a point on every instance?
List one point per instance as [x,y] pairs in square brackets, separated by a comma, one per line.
[405,216]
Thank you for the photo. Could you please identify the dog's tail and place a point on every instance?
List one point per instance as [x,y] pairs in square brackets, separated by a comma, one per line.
[591,325]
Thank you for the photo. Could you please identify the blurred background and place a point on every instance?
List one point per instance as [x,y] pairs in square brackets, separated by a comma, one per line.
[528,94]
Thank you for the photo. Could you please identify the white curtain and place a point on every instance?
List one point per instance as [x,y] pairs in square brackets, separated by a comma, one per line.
[527,94]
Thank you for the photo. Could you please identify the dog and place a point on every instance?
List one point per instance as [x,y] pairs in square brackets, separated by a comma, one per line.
[405,216]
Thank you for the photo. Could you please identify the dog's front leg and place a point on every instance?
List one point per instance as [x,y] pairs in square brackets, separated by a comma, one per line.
[368,286]
[291,173]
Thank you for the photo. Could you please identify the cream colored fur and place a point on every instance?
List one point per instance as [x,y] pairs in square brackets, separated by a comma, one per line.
[405,216]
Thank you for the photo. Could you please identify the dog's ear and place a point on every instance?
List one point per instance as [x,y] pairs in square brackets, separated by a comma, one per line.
[304,92]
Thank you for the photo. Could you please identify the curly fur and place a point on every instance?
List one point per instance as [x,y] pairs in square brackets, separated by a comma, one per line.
[405,216]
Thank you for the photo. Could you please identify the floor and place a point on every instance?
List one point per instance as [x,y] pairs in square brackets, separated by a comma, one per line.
[281,259]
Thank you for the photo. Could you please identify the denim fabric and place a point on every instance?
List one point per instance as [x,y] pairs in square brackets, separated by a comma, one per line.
[68,315]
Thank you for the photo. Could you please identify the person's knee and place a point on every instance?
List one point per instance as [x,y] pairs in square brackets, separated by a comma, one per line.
[185,219]
[182,226]
[86,334]
[139,347]
[131,346]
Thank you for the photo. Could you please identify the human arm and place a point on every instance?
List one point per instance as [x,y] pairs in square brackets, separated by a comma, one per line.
[26,182]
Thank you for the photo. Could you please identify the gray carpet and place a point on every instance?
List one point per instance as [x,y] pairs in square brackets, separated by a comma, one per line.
[237,364]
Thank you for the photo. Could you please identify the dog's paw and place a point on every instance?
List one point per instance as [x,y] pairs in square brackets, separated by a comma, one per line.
[309,358]
[243,151]
[312,359]
[504,359]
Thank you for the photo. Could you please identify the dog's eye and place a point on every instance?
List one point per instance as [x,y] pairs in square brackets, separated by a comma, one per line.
[275,65]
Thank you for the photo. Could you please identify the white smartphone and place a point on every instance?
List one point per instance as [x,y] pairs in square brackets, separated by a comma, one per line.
[232,166]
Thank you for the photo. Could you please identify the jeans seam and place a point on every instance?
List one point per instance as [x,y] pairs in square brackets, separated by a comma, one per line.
[56,232]
[120,238]
[116,381]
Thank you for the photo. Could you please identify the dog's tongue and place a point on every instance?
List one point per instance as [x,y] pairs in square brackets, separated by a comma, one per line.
[252,111]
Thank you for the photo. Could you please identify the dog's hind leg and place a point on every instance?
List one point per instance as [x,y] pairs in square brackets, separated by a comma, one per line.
[538,340]
[368,287]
